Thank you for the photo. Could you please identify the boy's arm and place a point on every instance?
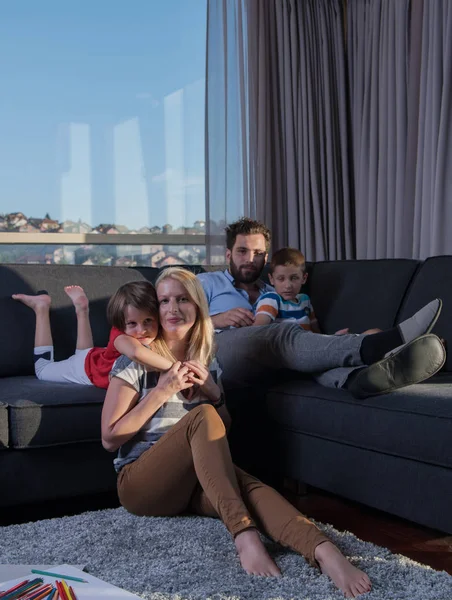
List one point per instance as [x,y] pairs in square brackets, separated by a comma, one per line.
[130,347]
[262,319]
[267,309]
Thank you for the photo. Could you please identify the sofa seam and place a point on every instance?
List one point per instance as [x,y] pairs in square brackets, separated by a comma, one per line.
[362,405]
[368,449]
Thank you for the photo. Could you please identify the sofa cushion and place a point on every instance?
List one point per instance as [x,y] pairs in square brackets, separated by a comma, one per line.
[17,332]
[414,422]
[43,474]
[433,280]
[359,294]
[3,425]
[48,414]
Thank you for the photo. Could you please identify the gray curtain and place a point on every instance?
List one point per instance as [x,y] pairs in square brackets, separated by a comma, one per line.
[433,192]
[399,59]
[277,129]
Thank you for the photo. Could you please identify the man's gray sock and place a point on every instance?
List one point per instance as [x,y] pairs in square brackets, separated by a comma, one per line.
[421,322]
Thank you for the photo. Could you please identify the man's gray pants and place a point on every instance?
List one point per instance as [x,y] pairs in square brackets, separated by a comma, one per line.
[250,355]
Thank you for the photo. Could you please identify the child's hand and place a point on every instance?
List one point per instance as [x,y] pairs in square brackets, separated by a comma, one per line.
[200,375]
[199,372]
[175,379]
[342,331]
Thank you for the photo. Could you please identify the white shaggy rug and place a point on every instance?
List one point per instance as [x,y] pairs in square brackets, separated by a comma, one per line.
[193,558]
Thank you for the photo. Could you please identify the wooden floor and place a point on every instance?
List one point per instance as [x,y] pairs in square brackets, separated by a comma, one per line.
[427,546]
[424,545]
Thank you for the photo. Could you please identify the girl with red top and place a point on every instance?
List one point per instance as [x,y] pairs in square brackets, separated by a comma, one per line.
[130,311]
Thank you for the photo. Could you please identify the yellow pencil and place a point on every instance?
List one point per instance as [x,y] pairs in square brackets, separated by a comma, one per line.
[66,589]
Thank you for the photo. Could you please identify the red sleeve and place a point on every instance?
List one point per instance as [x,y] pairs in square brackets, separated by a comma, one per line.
[99,361]
[114,333]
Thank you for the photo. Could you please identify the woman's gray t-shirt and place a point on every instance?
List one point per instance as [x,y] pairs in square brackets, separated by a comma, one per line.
[167,415]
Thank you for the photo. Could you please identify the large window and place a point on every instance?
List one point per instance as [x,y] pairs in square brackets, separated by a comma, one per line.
[102,131]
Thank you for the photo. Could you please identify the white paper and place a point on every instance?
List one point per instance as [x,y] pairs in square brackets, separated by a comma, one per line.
[93,590]
[8,572]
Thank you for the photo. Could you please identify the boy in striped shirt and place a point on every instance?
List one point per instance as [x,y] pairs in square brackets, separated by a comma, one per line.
[287,275]
[287,305]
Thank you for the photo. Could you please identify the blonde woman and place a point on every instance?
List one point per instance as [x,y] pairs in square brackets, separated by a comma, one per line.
[173,451]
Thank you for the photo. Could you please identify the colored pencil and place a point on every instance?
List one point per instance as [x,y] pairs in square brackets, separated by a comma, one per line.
[66,589]
[48,573]
[40,593]
[61,591]
[73,596]
[57,583]
[54,594]
[11,590]
[37,591]
[24,590]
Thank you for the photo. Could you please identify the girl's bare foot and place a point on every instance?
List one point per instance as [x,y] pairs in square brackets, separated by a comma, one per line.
[349,579]
[78,297]
[41,302]
[253,556]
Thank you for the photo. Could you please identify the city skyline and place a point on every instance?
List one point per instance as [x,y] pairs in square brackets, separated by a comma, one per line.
[14,222]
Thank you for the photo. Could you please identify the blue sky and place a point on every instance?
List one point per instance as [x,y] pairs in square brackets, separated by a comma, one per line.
[102,110]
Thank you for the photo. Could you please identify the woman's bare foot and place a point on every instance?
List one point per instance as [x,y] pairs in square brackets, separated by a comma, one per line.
[37,303]
[349,579]
[253,556]
[78,297]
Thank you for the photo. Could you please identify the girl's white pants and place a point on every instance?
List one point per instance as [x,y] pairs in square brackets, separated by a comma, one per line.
[70,370]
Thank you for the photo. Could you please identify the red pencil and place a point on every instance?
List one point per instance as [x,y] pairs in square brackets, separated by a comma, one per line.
[14,588]
[25,589]
[61,591]
[74,597]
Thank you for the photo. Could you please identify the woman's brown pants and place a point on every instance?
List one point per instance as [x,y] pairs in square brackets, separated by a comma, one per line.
[190,470]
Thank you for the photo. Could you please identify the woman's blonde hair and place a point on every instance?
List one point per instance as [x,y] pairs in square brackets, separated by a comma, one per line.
[200,345]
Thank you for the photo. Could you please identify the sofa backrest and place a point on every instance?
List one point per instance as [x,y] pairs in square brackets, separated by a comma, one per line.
[359,294]
[433,280]
[18,321]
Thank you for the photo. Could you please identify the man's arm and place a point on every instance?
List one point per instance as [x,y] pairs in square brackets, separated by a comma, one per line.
[236,317]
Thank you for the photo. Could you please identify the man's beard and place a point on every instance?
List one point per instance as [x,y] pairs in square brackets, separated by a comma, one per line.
[243,277]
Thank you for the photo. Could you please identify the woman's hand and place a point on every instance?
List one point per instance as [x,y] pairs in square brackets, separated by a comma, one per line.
[175,380]
[200,375]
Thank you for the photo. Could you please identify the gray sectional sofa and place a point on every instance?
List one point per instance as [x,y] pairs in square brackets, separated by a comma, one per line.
[393,452]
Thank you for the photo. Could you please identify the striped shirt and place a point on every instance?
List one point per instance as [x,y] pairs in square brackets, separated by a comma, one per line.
[176,407]
[279,310]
